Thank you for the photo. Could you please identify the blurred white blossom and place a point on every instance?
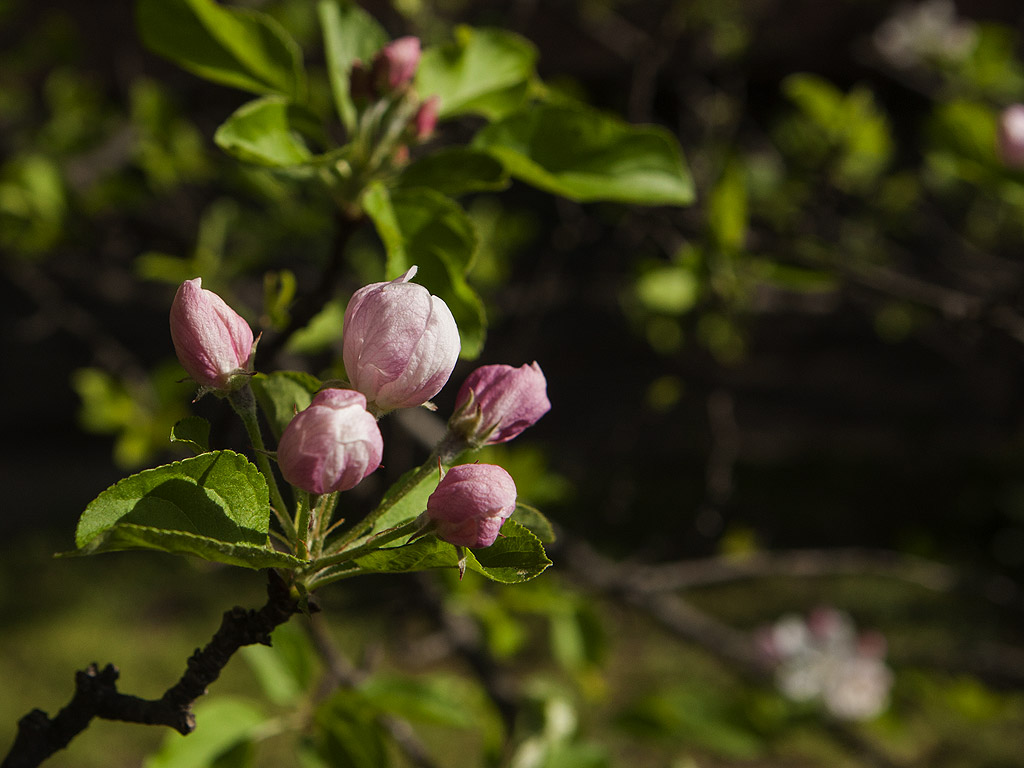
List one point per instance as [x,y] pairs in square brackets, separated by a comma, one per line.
[923,34]
[823,658]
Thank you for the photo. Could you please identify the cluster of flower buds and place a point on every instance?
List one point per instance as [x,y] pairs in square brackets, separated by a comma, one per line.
[400,345]
[824,658]
[1011,136]
[384,89]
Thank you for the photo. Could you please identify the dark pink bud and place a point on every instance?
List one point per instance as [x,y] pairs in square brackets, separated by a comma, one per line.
[426,118]
[471,503]
[497,402]
[331,445]
[213,343]
[399,343]
[1011,136]
[395,64]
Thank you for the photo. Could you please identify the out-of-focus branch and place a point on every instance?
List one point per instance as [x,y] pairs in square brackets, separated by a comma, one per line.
[96,694]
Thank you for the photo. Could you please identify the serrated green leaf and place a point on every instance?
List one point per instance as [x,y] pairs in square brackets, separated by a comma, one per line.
[124,536]
[423,227]
[224,723]
[585,155]
[515,557]
[231,46]
[483,71]
[455,171]
[192,431]
[260,132]
[214,506]
[282,394]
[350,34]
[535,521]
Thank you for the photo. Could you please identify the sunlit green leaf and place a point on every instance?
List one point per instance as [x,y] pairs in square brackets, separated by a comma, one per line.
[586,155]
[483,71]
[232,46]
[261,132]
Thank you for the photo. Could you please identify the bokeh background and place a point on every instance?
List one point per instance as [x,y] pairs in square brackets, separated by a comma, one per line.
[804,391]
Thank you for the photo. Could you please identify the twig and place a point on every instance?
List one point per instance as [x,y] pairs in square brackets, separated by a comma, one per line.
[96,694]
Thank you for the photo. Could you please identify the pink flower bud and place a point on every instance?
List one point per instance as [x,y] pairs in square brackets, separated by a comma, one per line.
[331,445]
[1011,136]
[399,343]
[426,118]
[497,402]
[395,64]
[213,343]
[470,504]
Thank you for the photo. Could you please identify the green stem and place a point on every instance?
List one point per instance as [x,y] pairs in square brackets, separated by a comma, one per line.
[366,524]
[331,575]
[372,544]
[302,532]
[244,403]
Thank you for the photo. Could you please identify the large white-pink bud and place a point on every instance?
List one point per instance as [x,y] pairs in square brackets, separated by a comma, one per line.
[399,343]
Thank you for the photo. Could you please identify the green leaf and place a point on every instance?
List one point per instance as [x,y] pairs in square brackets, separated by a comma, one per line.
[585,155]
[240,48]
[423,227]
[124,536]
[412,499]
[455,171]
[284,669]
[348,734]
[224,724]
[515,557]
[194,432]
[214,506]
[349,34]
[484,71]
[672,289]
[440,699]
[282,394]
[535,521]
[260,132]
[727,210]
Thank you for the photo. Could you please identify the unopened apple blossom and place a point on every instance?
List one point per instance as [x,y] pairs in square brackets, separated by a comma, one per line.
[497,402]
[331,445]
[399,343]
[213,342]
[471,503]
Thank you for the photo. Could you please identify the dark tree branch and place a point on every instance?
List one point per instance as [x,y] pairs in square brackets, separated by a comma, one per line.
[96,694]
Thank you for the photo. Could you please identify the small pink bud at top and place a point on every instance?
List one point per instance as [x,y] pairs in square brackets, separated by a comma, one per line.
[1011,136]
[395,64]
[471,503]
[399,343]
[426,118]
[213,343]
[332,445]
[497,402]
